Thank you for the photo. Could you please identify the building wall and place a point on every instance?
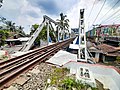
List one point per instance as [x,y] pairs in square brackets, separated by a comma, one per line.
[110,58]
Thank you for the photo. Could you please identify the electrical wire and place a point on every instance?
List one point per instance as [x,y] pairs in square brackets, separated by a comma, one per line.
[110,16]
[92,8]
[99,12]
[110,9]
[114,18]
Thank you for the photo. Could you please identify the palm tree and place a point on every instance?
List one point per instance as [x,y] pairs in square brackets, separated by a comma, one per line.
[10,26]
[20,30]
[64,23]
[2,19]
[1,1]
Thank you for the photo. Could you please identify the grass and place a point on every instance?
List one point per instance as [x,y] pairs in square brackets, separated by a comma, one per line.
[61,80]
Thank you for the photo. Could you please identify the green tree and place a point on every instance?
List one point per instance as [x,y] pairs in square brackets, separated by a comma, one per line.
[3,36]
[43,34]
[10,26]
[34,28]
[20,31]
[1,2]
[2,19]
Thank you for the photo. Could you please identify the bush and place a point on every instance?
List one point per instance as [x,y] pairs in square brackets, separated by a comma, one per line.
[63,82]
[118,58]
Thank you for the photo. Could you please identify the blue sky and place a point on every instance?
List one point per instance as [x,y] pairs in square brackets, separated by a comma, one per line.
[28,12]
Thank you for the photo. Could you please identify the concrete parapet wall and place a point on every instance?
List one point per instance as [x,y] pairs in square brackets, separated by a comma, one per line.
[107,75]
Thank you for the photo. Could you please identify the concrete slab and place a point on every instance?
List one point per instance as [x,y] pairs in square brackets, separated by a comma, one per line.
[107,75]
[21,80]
[34,71]
[62,57]
[18,53]
[11,88]
[74,46]
[51,88]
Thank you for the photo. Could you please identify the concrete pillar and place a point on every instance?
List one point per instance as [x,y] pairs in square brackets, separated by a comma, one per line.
[97,57]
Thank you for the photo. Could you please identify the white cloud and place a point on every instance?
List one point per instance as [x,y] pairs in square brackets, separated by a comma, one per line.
[22,12]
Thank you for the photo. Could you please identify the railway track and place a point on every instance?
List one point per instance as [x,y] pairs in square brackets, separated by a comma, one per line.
[12,68]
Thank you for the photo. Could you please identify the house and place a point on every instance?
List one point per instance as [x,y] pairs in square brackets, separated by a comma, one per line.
[104,52]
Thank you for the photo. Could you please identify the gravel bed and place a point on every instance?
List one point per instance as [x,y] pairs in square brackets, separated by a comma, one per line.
[36,81]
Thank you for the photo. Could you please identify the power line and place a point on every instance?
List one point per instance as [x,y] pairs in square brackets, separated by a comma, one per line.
[110,16]
[113,18]
[92,9]
[99,12]
[116,19]
[110,9]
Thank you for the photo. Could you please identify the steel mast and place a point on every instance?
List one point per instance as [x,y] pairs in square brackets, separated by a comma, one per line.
[82,51]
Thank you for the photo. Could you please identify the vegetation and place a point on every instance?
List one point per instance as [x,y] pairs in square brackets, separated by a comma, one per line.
[43,34]
[3,35]
[4,57]
[8,29]
[118,59]
[60,80]
[1,2]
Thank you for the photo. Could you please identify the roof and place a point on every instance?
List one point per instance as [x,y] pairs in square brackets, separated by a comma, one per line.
[12,40]
[117,53]
[106,48]
[19,39]
[23,39]
[109,50]
[117,48]
[93,49]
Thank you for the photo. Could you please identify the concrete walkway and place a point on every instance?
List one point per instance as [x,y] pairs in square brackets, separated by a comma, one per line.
[62,57]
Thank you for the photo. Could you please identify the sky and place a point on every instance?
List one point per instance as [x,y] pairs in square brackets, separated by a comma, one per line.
[29,12]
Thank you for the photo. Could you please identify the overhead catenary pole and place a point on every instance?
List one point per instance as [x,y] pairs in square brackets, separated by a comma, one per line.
[82,52]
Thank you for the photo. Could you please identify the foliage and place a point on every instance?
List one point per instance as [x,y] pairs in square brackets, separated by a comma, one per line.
[70,83]
[1,1]
[63,22]
[43,34]
[3,35]
[3,57]
[58,76]
[34,28]
[63,82]
[9,29]
[118,58]
[11,26]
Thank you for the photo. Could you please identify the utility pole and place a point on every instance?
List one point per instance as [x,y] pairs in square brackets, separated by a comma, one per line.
[82,51]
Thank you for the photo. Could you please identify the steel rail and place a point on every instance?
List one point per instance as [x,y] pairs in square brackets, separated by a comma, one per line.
[28,56]
[31,52]
[11,73]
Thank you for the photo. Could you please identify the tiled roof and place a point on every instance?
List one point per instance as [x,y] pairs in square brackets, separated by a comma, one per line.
[114,54]
[106,48]
[117,48]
